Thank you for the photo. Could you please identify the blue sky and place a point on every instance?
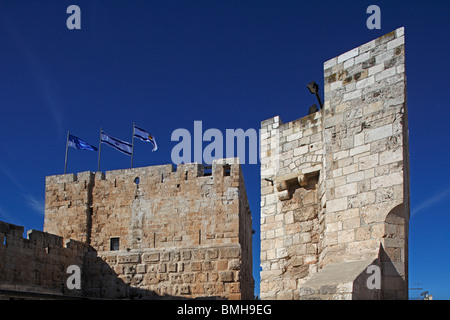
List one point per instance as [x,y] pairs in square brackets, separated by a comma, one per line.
[230,64]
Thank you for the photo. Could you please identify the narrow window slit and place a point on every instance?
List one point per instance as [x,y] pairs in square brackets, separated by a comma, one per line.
[114,244]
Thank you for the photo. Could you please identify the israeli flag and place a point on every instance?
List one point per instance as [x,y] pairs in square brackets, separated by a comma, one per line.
[79,144]
[145,136]
[122,146]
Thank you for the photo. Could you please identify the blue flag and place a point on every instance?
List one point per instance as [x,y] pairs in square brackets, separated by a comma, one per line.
[145,136]
[79,144]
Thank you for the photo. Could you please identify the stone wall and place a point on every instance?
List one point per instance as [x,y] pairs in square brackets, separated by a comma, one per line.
[291,217]
[335,184]
[159,208]
[367,166]
[37,264]
[212,272]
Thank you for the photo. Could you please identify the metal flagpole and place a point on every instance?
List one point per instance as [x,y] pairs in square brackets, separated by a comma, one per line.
[99,149]
[67,147]
[132,147]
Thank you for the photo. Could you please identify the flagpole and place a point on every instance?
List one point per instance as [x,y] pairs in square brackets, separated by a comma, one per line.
[99,149]
[132,147]
[67,147]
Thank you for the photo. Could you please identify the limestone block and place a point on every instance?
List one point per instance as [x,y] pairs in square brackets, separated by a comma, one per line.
[334,226]
[367,46]
[363,56]
[378,133]
[375,69]
[389,54]
[184,289]
[128,258]
[395,43]
[196,266]
[345,190]
[141,268]
[284,295]
[289,218]
[352,95]
[281,253]
[172,267]
[348,63]
[301,150]
[368,162]
[346,236]
[330,63]
[361,199]
[151,278]
[226,276]
[351,223]
[387,180]
[391,156]
[304,214]
[230,252]
[151,257]
[234,264]
[363,233]
[359,148]
[349,54]
[337,204]
[350,168]
[385,74]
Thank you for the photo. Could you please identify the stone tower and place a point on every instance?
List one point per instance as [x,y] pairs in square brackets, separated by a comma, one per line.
[158,231]
[335,184]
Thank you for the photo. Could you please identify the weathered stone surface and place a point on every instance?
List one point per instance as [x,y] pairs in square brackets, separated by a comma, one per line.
[356,208]
[226,276]
[170,232]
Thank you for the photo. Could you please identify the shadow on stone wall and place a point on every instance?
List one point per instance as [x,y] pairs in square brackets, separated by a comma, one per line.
[393,255]
[391,261]
[391,284]
[370,279]
[100,281]
[36,267]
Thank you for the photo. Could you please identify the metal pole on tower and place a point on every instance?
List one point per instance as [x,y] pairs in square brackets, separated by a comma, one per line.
[99,149]
[67,147]
[132,147]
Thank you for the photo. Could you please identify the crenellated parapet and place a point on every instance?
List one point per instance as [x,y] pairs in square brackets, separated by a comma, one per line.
[158,208]
[37,263]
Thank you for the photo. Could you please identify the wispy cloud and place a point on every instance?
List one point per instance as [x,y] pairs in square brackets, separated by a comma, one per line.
[33,202]
[13,179]
[432,201]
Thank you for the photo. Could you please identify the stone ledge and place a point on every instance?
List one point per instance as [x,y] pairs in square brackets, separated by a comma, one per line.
[294,180]
[335,281]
